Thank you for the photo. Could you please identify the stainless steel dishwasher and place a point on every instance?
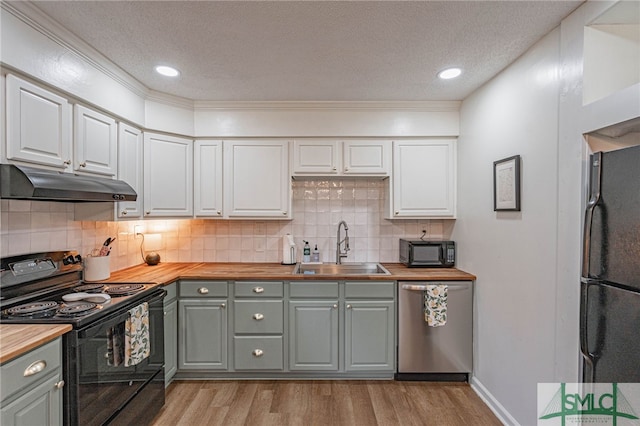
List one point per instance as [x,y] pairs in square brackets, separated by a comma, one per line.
[435,353]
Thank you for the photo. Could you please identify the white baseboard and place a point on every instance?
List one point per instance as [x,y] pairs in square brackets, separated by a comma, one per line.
[501,413]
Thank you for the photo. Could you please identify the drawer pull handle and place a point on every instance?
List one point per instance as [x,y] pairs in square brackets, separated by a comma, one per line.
[203,290]
[258,317]
[59,385]
[258,353]
[35,368]
[258,290]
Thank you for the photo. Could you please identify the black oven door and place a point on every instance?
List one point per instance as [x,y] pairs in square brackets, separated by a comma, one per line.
[101,385]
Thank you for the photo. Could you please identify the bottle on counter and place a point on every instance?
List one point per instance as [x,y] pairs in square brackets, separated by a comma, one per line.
[315,254]
[306,252]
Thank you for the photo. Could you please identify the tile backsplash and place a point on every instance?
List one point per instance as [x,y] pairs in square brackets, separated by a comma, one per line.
[318,207]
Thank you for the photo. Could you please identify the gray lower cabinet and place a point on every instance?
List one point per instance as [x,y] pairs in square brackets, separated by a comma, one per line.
[202,325]
[369,336]
[313,335]
[170,333]
[31,389]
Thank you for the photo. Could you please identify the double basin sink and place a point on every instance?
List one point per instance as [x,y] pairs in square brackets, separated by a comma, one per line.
[369,268]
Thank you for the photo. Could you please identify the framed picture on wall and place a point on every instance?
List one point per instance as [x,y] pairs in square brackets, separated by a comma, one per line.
[506,184]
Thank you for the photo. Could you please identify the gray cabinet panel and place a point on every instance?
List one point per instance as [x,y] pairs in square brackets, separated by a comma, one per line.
[257,316]
[369,290]
[369,336]
[313,335]
[202,334]
[170,340]
[308,289]
[42,405]
[203,289]
[12,372]
[258,352]
[258,289]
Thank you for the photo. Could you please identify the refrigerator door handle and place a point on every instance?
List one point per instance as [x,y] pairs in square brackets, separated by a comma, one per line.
[589,358]
[596,161]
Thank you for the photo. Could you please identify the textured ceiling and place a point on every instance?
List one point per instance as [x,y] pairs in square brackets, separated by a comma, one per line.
[311,50]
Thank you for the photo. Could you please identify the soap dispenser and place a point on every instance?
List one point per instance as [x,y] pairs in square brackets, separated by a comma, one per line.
[306,252]
[315,254]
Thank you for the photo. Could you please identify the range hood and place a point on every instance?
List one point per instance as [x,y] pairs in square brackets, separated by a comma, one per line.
[29,183]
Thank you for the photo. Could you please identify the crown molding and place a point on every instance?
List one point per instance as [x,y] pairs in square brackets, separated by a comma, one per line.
[171,100]
[33,17]
[419,106]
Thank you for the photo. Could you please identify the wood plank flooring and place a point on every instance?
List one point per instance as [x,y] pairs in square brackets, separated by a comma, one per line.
[311,402]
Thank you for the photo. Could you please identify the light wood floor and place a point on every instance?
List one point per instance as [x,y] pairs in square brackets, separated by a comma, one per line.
[311,402]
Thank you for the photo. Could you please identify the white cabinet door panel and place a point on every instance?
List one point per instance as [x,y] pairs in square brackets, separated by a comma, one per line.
[95,142]
[366,157]
[315,156]
[208,178]
[130,143]
[38,125]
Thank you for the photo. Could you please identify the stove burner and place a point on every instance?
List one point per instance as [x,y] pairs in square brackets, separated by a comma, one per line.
[34,309]
[89,288]
[123,289]
[76,309]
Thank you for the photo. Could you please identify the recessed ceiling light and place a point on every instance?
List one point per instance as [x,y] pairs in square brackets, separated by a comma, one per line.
[449,73]
[167,71]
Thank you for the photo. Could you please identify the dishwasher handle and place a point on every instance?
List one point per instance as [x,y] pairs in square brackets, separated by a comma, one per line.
[423,287]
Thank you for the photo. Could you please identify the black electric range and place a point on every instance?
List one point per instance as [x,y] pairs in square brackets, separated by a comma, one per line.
[33,289]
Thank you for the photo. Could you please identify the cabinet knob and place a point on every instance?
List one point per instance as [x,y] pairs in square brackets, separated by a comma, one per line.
[348,306]
[258,317]
[83,164]
[258,353]
[258,290]
[165,313]
[346,169]
[148,212]
[219,212]
[334,169]
[223,305]
[59,385]
[284,213]
[203,290]
[123,213]
[67,162]
[335,306]
[397,212]
[35,368]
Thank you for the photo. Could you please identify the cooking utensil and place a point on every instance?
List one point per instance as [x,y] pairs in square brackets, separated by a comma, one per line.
[89,297]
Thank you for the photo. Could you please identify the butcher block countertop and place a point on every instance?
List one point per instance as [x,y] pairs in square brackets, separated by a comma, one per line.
[17,339]
[166,273]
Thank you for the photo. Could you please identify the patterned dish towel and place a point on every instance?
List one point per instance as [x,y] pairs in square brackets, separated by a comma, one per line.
[136,335]
[435,305]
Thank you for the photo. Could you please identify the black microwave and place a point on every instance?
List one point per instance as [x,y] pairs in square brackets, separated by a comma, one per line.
[427,254]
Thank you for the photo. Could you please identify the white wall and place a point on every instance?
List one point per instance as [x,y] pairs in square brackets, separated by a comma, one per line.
[512,253]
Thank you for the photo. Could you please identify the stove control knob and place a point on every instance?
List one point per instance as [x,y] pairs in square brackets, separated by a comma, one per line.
[59,385]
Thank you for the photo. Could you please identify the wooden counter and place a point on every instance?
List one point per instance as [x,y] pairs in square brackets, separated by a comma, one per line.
[165,273]
[17,339]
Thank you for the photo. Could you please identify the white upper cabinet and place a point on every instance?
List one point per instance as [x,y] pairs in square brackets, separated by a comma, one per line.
[207,178]
[130,141]
[38,125]
[257,179]
[325,157]
[95,144]
[423,181]
[168,176]
[366,157]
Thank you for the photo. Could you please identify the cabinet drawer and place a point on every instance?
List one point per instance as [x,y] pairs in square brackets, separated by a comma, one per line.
[257,316]
[258,353]
[305,289]
[258,289]
[203,289]
[47,357]
[369,290]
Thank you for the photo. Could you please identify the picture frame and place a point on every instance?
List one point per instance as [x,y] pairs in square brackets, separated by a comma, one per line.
[506,184]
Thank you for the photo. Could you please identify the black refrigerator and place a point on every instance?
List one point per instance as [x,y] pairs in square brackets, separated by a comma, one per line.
[610,284]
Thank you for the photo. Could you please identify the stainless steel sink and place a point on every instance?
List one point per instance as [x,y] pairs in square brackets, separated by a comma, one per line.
[370,268]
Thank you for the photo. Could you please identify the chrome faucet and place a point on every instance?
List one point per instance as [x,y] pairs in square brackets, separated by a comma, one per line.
[339,253]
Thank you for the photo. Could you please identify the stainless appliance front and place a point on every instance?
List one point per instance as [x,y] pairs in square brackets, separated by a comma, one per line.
[435,352]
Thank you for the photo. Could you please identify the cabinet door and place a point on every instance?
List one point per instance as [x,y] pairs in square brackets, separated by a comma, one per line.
[38,125]
[170,341]
[41,405]
[366,157]
[95,144]
[168,176]
[207,178]
[313,335]
[202,334]
[369,336]
[424,179]
[314,156]
[257,180]
[130,168]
